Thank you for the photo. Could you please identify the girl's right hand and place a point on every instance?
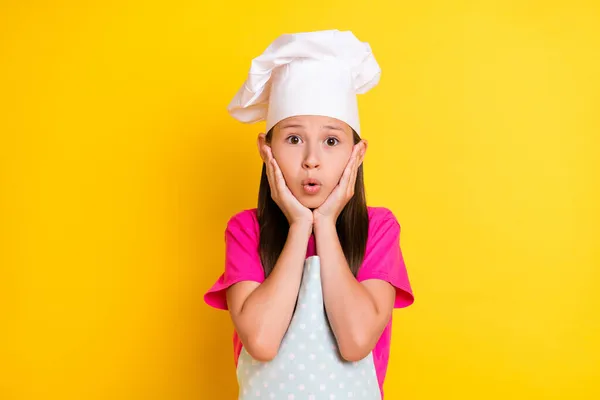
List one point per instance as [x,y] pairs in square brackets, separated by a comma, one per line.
[294,211]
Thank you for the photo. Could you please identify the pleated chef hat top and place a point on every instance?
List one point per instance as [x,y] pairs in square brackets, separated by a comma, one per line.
[309,73]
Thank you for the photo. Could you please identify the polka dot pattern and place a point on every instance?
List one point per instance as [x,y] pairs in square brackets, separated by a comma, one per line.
[308,365]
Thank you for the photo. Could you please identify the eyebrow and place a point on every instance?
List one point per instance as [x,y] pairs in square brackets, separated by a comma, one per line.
[292,126]
[303,127]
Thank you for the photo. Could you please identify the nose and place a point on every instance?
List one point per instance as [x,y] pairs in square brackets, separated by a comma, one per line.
[311,158]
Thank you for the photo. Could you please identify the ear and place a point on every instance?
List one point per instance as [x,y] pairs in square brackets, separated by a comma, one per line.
[364,150]
[365,145]
[261,143]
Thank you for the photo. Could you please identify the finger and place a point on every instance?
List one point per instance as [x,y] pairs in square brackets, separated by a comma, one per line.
[271,176]
[352,181]
[280,181]
[357,150]
[355,155]
[352,160]
[269,153]
[346,175]
[358,165]
[272,161]
[353,166]
[357,161]
[264,153]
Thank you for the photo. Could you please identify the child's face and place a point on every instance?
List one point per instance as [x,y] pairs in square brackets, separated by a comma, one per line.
[312,147]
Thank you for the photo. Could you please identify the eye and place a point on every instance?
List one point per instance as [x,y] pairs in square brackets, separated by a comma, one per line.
[293,139]
[332,141]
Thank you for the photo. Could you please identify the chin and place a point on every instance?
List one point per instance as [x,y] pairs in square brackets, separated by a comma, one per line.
[312,202]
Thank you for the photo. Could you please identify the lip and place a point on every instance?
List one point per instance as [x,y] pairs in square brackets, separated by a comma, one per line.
[311,185]
[309,181]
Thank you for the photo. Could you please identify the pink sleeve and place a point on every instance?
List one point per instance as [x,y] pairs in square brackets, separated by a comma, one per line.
[242,260]
[383,259]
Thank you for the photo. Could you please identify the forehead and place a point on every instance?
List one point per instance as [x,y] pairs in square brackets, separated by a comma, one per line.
[313,122]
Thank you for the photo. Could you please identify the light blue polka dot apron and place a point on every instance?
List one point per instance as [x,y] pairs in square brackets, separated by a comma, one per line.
[308,365]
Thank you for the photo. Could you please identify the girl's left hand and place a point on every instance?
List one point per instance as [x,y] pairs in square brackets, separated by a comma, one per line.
[343,192]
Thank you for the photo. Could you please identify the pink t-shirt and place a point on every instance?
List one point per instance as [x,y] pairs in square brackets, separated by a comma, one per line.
[383,260]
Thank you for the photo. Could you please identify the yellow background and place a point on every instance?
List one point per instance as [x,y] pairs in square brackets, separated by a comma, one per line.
[120,166]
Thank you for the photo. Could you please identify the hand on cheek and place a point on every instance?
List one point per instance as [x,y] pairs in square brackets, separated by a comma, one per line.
[343,192]
[293,210]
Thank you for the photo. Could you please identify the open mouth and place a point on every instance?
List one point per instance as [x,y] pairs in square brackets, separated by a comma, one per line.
[311,182]
[311,186]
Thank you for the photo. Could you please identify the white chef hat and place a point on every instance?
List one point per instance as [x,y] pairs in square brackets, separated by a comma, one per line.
[309,73]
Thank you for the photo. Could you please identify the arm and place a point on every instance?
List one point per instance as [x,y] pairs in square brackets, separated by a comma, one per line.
[261,313]
[358,312]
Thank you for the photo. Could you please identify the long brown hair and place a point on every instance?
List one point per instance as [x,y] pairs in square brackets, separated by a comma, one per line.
[352,224]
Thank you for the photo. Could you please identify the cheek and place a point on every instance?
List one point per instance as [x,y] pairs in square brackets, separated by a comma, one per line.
[287,161]
[337,168]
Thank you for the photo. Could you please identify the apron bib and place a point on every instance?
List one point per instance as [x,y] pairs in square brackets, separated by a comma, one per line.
[308,365]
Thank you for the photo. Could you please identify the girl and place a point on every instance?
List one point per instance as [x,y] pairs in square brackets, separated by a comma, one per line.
[311,275]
